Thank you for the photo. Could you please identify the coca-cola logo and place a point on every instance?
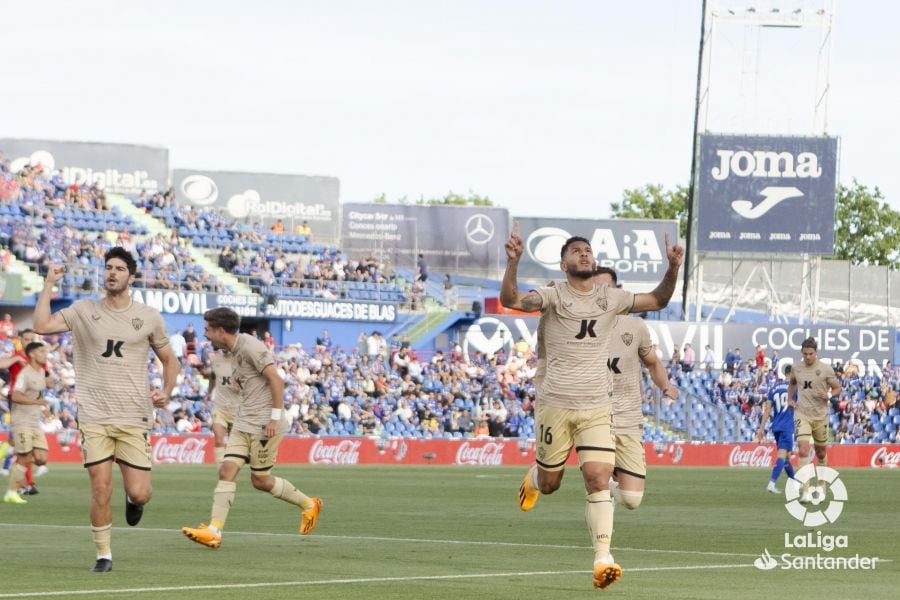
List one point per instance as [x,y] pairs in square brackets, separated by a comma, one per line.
[189,451]
[884,458]
[345,452]
[760,456]
[490,453]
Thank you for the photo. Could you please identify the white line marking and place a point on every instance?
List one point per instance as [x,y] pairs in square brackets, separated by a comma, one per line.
[270,584]
[372,538]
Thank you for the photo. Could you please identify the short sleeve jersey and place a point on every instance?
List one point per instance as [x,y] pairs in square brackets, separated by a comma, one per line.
[226,393]
[540,370]
[629,343]
[110,353]
[577,327]
[810,380]
[32,383]
[250,357]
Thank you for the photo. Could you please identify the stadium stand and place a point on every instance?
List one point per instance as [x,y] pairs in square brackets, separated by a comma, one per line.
[333,391]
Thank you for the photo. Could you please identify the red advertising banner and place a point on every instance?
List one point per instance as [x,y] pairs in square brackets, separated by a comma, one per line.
[195,449]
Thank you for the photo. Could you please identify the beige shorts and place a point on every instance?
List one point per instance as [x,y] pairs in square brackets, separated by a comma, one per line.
[558,430]
[630,458]
[251,448]
[818,430]
[30,439]
[220,417]
[126,444]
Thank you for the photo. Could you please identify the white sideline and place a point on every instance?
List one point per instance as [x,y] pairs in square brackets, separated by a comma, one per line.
[394,539]
[271,584]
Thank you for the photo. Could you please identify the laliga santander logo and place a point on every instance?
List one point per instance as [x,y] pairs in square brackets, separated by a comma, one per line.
[190,451]
[490,454]
[818,495]
[761,456]
[345,452]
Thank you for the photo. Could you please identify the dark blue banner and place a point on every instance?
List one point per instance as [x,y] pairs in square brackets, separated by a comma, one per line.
[766,194]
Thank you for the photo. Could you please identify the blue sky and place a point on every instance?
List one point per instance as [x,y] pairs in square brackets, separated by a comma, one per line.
[548,108]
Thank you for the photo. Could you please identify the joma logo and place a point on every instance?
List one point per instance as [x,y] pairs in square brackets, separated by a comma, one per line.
[766,164]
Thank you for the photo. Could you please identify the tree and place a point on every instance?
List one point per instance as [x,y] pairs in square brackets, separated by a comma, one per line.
[866,228]
[654,202]
[450,199]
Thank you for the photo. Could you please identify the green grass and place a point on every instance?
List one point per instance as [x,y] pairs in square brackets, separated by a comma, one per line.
[382,528]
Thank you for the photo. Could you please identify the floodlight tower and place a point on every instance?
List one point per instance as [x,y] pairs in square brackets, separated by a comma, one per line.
[755,17]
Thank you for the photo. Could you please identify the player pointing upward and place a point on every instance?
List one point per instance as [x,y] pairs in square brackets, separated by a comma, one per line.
[575,404]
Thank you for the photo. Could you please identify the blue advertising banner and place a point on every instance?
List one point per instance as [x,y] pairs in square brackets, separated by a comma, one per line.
[766,194]
[197,303]
[867,347]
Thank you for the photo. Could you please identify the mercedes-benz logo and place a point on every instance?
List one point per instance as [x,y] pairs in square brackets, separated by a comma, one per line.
[479,229]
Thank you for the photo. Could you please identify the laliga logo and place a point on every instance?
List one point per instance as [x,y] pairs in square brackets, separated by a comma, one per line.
[818,495]
[543,245]
[487,345]
[200,190]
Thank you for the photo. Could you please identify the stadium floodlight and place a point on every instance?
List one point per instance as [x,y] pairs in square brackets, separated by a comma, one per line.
[772,17]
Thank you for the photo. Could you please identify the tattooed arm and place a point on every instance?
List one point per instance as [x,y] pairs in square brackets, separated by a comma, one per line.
[510,297]
[660,296]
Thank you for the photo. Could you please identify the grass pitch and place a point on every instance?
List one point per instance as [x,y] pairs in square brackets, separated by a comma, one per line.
[444,532]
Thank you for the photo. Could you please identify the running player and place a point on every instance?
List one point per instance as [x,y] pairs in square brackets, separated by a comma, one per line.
[260,424]
[815,384]
[226,397]
[575,406]
[111,339]
[781,412]
[27,403]
[630,348]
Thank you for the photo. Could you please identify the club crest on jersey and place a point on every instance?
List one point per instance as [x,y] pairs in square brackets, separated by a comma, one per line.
[137,324]
[818,372]
[627,338]
[603,304]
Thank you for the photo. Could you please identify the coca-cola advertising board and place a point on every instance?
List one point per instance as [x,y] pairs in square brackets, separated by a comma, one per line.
[196,449]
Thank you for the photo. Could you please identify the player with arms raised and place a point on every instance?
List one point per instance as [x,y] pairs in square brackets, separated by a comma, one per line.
[574,409]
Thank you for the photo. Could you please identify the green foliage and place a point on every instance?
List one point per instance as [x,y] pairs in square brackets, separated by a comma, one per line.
[867,229]
[451,198]
[654,202]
